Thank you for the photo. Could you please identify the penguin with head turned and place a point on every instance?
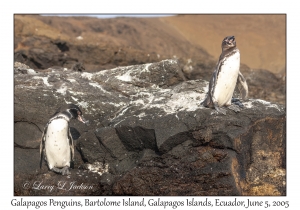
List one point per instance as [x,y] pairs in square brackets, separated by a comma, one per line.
[57,146]
[224,79]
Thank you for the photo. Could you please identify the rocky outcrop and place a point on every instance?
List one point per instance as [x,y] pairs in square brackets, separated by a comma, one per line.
[42,42]
[148,135]
[92,44]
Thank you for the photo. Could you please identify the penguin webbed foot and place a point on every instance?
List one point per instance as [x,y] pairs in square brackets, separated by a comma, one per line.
[63,171]
[237,102]
[220,110]
[234,107]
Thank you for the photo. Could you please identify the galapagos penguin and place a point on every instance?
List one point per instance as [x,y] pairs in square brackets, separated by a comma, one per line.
[224,79]
[57,146]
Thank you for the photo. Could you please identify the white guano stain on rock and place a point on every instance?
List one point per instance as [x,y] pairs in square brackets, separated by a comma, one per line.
[114,104]
[164,100]
[72,80]
[141,115]
[87,75]
[269,104]
[263,101]
[45,80]
[187,101]
[62,90]
[75,99]
[97,85]
[123,111]
[248,104]
[125,77]
[76,93]
[31,72]
[83,104]
[98,167]
[146,67]
[68,102]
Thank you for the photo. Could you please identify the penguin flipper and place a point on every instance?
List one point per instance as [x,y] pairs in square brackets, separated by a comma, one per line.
[208,102]
[42,146]
[242,86]
[41,152]
[212,85]
[71,143]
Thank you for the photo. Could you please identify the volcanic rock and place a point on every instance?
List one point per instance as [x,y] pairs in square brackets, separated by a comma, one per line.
[148,135]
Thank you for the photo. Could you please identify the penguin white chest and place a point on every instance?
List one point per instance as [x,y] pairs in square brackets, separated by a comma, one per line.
[226,79]
[57,144]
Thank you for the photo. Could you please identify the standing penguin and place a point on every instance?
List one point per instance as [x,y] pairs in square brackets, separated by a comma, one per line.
[224,79]
[57,143]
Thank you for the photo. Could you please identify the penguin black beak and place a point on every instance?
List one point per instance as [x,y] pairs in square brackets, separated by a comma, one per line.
[81,119]
[231,39]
